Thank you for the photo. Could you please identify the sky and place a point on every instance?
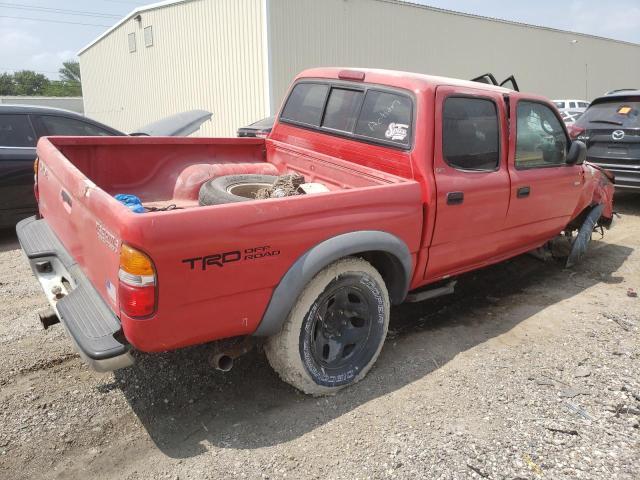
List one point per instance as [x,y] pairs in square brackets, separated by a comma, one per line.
[41,34]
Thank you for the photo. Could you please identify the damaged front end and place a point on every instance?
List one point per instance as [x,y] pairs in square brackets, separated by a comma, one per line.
[594,212]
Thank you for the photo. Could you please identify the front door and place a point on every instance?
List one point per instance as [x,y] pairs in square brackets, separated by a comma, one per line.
[472,179]
[544,189]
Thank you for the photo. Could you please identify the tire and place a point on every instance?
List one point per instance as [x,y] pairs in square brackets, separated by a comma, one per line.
[326,342]
[583,239]
[221,190]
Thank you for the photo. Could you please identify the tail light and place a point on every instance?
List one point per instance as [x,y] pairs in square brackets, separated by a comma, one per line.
[575,132]
[137,283]
[35,179]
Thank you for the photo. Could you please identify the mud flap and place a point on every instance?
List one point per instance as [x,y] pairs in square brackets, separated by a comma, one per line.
[582,240]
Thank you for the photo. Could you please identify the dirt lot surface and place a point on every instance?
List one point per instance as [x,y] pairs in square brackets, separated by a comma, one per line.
[529,371]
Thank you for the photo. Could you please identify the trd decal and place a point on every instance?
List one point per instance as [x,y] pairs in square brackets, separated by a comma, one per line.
[221,259]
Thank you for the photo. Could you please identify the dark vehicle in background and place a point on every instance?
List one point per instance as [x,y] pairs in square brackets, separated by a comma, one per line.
[261,128]
[22,125]
[611,130]
[20,128]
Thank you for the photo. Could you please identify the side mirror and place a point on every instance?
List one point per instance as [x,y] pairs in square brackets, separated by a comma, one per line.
[577,153]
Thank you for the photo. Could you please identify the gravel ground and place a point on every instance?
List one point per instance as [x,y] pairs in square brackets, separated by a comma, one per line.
[529,371]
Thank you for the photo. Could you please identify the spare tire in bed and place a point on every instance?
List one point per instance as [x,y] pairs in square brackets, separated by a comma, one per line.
[233,188]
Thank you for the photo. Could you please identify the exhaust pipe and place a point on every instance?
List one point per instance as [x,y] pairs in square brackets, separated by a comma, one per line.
[226,351]
[223,362]
[48,318]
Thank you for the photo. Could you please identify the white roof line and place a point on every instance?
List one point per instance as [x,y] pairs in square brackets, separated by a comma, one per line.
[408,3]
[133,13]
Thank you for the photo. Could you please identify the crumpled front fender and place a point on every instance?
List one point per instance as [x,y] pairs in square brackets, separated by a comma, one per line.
[597,189]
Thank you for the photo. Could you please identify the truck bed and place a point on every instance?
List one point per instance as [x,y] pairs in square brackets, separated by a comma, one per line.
[79,176]
[166,171]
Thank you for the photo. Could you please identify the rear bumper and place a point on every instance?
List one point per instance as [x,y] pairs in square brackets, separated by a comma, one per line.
[627,176]
[94,329]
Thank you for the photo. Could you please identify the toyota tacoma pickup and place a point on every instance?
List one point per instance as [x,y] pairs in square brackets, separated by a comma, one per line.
[421,179]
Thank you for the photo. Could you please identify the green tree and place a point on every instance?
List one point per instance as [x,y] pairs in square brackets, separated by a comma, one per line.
[62,89]
[28,82]
[7,85]
[70,71]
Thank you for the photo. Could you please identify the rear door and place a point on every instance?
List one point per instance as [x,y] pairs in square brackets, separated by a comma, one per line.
[544,189]
[17,154]
[472,179]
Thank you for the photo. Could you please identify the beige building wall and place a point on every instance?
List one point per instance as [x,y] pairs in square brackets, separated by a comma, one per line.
[237,58]
[206,54]
[388,34]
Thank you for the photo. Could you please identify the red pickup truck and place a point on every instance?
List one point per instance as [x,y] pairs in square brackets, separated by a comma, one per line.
[423,178]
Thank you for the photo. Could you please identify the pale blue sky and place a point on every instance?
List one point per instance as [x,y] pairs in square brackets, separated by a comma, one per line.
[43,45]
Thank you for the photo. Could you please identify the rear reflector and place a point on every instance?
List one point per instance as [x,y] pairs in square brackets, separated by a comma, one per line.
[351,75]
[575,132]
[137,302]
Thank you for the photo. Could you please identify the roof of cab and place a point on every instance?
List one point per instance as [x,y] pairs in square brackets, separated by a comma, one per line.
[395,78]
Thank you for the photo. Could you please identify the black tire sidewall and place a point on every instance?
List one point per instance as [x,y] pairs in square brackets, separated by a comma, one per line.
[346,375]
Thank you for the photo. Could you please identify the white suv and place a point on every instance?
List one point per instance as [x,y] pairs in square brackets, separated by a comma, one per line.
[571,105]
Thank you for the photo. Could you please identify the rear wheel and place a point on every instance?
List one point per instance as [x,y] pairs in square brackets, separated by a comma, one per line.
[335,331]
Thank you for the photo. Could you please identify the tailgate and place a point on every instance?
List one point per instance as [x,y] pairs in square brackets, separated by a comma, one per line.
[84,219]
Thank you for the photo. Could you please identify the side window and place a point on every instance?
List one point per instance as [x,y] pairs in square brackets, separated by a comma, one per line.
[470,134]
[559,104]
[572,105]
[540,140]
[386,116]
[342,109]
[70,126]
[305,104]
[583,104]
[16,131]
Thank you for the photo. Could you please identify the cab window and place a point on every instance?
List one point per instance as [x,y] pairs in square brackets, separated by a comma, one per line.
[470,134]
[16,131]
[342,109]
[305,104]
[540,138]
[69,126]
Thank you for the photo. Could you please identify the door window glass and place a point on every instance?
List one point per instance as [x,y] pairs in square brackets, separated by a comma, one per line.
[559,104]
[386,116]
[541,141]
[342,109]
[16,131]
[572,105]
[305,104]
[69,126]
[470,134]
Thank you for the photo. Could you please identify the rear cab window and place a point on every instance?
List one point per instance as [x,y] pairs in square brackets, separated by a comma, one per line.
[361,112]
[16,132]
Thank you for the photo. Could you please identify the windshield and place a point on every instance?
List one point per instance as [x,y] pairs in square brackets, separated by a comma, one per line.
[618,112]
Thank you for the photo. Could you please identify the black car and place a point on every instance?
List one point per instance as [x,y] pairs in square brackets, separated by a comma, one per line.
[22,125]
[261,128]
[611,129]
[20,128]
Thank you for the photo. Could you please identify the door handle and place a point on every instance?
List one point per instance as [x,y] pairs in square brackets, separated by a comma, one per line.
[524,192]
[455,198]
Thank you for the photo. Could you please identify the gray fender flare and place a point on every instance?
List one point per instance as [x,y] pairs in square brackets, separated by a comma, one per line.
[398,261]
